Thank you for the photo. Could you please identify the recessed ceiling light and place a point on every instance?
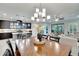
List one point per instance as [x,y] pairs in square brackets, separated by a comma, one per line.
[43,14]
[4,14]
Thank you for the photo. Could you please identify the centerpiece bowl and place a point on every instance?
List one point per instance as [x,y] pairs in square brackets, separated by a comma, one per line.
[39,43]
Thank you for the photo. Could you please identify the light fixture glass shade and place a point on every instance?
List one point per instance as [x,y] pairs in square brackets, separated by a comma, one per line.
[48,17]
[32,18]
[37,20]
[37,10]
[40,13]
[35,15]
[44,10]
[43,14]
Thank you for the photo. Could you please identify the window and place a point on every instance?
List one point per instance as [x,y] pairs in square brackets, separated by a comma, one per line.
[57,28]
[72,27]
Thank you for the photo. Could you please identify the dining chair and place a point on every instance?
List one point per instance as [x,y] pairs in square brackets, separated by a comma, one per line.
[52,39]
[17,51]
[10,46]
[7,53]
[55,38]
[3,39]
[3,46]
[71,42]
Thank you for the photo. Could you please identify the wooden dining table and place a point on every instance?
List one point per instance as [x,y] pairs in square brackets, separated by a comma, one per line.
[27,47]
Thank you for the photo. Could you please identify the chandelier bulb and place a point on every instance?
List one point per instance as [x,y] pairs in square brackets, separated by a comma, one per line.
[37,10]
[35,15]
[32,18]
[43,10]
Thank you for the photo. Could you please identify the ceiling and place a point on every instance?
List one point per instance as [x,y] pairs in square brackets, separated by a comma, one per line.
[68,10]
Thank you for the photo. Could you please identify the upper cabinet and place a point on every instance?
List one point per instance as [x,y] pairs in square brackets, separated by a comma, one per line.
[20,25]
[4,24]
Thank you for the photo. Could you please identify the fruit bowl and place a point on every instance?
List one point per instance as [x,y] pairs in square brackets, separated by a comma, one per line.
[39,42]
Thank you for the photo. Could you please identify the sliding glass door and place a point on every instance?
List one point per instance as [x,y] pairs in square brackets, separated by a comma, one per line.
[72,27]
[40,28]
[57,28]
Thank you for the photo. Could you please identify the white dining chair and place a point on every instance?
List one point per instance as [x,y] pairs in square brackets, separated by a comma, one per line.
[71,42]
[3,46]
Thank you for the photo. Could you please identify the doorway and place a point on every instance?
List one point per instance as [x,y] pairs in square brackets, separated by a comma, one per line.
[40,28]
[57,28]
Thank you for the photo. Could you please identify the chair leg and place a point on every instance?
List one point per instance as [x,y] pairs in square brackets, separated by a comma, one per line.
[70,53]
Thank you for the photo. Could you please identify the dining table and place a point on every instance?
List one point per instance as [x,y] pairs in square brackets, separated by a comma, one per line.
[27,47]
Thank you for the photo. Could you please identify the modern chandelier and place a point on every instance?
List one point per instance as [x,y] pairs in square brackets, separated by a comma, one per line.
[40,15]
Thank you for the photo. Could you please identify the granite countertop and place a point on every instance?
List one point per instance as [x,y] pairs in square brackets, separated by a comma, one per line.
[21,32]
